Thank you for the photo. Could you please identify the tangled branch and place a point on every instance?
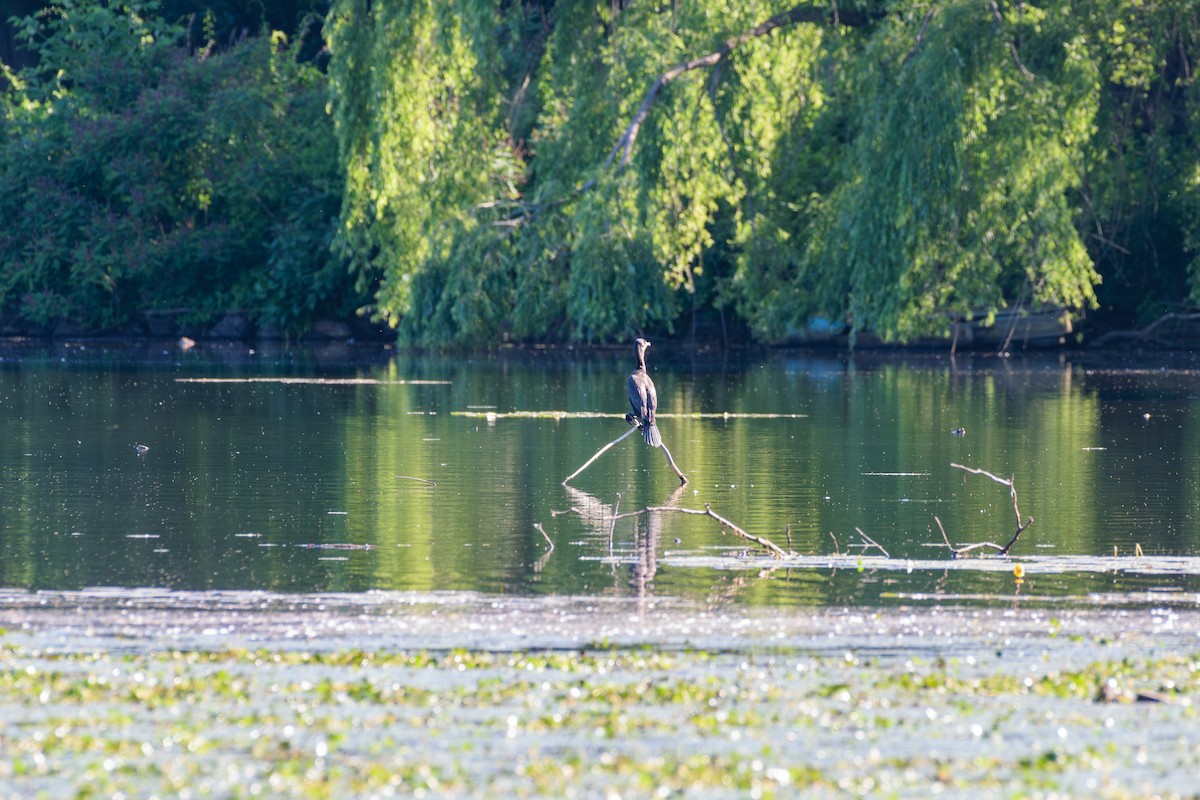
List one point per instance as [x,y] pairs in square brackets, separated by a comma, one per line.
[1021,526]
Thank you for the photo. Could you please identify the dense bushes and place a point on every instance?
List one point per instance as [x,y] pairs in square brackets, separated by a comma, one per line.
[138,174]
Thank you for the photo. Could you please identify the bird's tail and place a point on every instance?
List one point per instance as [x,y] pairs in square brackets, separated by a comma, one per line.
[651,436]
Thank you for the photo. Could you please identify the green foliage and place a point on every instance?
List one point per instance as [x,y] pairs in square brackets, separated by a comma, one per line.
[973,212]
[1140,204]
[416,108]
[461,172]
[137,175]
[908,166]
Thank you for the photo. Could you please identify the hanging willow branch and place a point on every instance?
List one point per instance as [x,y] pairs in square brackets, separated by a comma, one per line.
[793,16]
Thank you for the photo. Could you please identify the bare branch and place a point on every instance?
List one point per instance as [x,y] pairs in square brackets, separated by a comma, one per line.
[1006,481]
[774,549]
[613,527]
[1012,492]
[1151,332]
[599,453]
[419,480]
[540,564]
[542,531]
[678,473]
[637,425]
[1012,47]
[869,542]
[571,510]
[961,551]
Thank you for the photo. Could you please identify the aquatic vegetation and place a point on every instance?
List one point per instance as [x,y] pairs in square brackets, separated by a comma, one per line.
[320,722]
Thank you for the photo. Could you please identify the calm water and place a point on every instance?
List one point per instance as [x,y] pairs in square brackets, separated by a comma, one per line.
[248,480]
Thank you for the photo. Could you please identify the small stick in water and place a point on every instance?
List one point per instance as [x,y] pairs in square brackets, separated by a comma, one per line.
[542,531]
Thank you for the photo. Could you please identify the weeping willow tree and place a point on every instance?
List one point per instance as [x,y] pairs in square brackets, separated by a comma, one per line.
[579,170]
[952,190]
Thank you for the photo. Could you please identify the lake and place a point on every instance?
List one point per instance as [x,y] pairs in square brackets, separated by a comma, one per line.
[350,468]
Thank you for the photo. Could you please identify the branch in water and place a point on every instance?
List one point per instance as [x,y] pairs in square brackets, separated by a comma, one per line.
[774,549]
[1021,526]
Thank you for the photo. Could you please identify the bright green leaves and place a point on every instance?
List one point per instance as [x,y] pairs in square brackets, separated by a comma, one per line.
[418,115]
[99,53]
[953,192]
[889,166]
[891,175]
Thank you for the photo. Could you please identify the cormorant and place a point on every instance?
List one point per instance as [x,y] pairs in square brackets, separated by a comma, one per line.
[643,398]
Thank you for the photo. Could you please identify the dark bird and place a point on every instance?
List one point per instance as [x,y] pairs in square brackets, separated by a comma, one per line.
[643,398]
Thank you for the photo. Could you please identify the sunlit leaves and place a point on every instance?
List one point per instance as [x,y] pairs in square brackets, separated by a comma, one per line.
[418,113]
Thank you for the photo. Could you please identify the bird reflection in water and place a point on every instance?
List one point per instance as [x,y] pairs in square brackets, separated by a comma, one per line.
[605,521]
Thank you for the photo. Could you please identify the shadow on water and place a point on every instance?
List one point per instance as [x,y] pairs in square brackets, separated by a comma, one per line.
[349,468]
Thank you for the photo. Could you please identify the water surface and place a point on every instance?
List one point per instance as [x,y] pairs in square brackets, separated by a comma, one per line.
[348,469]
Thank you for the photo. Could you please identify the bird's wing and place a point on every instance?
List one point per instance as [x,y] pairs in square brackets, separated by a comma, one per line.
[637,396]
[651,399]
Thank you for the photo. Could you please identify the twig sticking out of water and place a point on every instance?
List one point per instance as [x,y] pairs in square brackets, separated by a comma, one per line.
[1021,526]
[411,478]
[959,552]
[599,453]
[868,543]
[682,478]
[612,528]
[637,426]
[544,558]
[775,550]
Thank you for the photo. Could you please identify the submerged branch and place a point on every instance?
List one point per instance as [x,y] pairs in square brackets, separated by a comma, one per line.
[774,549]
[560,415]
[1151,333]
[418,480]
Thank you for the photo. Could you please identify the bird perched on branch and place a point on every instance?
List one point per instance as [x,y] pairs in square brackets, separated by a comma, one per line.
[643,398]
